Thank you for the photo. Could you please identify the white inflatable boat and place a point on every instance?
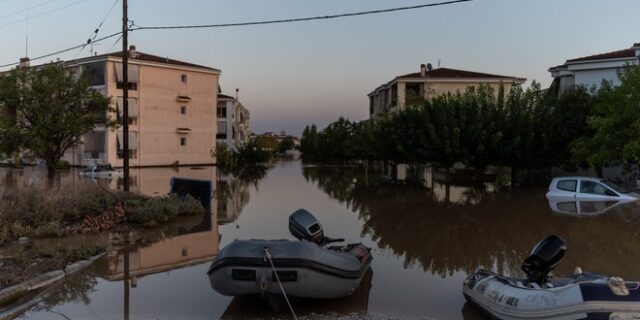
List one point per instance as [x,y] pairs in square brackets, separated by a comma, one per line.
[539,296]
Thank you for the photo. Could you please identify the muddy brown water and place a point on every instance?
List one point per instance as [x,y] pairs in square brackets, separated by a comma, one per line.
[425,240]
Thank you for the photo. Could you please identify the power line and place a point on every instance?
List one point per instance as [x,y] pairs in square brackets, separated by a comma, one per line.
[44,13]
[63,50]
[361,13]
[26,9]
[342,15]
[95,33]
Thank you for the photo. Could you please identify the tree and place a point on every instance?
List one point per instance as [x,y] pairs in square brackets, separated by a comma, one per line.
[53,107]
[286,144]
[266,143]
[615,124]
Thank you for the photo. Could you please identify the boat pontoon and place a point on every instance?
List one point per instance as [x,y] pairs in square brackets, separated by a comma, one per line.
[308,268]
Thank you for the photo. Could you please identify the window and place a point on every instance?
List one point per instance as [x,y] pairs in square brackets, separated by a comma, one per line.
[183,141]
[222,130]
[567,185]
[592,187]
[133,74]
[183,78]
[94,73]
[183,110]
[133,144]
[221,111]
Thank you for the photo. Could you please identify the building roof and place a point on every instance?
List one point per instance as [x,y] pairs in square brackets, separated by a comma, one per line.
[454,73]
[626,53]
[224,96]
[147,57]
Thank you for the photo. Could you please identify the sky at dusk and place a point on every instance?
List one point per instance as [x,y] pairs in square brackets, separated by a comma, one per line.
[294,74]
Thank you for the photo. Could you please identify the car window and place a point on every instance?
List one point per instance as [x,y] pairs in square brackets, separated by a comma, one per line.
[592,187]
[567,185]
[614,186]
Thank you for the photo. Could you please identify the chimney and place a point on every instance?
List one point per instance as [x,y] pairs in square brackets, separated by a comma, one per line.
[423,70]
[24,62]
[132,52]
[237,93]
[637,47]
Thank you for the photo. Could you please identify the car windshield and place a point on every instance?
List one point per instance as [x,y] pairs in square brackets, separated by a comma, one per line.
[615,187]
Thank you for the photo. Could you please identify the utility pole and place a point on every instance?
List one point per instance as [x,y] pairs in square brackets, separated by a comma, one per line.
[125,94]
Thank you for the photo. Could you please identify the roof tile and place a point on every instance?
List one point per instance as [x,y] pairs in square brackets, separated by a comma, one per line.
[626,53]
[453,73]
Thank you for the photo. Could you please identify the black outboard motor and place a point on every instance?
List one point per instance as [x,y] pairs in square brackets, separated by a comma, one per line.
[304,226]
[544,257]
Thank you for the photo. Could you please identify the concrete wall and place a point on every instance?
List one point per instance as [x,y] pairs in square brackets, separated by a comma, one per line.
[591,78]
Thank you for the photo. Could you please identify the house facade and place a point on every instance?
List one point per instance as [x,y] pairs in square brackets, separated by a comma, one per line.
[232,122]
[428,83]
[171,111]
[590,71]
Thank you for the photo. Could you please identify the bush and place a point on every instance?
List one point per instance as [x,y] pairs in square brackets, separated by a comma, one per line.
[156,211]
[63,165]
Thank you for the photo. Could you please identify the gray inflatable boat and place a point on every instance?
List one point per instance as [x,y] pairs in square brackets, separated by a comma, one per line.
[308,268]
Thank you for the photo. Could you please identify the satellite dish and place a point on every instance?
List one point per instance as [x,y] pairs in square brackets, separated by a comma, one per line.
[429,66]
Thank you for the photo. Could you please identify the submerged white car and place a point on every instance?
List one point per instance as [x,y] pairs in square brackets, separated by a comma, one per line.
[588,188]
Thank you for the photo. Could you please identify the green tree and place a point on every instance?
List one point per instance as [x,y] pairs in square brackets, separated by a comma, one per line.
[54,107]
[286,144]
[266,143]
[615,124]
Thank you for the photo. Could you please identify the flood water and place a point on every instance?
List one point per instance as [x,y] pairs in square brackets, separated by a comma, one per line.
[425,239]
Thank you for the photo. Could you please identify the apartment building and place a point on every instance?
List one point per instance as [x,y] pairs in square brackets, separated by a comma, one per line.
[428,83]
[590,71]
[171,111]
[233,121]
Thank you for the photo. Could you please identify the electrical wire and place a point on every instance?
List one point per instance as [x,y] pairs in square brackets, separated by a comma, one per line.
[95,33]
[334,16]
[233,24]
[26,9]
[63,50]
[44,13]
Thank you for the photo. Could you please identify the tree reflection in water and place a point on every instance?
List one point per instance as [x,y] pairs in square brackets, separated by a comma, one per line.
[494,230]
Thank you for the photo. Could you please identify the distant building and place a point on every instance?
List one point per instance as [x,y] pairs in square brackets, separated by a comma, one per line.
[233,122]
[591,70]
[428,83]
[171,111]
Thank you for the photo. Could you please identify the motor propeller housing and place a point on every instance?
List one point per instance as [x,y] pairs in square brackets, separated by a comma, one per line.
[304,226]
[544,257]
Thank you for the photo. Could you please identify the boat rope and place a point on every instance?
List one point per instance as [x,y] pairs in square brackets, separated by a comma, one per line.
[275,272]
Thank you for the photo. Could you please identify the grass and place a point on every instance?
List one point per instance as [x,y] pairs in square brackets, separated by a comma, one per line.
[39,212]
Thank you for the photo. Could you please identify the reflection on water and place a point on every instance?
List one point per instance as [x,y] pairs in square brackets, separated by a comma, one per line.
[425,239]
[587,208]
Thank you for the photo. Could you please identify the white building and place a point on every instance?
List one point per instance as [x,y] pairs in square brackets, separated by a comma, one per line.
[591,70]
[233,122]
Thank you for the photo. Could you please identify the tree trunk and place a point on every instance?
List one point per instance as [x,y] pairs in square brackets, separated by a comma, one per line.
[514,176]
[51,169]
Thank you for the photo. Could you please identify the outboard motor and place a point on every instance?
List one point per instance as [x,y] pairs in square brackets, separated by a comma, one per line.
[304,226]
[544,257]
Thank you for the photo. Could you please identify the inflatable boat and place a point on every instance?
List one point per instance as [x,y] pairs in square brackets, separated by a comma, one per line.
[541,296]
[307,268]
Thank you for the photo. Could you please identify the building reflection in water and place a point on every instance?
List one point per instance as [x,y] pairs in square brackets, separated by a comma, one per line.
[495,230]
[232,195]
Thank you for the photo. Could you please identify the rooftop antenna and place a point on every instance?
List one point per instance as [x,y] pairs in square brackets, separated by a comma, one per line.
[438,63]
[26,33]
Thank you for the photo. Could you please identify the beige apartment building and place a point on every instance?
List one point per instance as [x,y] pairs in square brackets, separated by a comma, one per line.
[172,111]
[428,83]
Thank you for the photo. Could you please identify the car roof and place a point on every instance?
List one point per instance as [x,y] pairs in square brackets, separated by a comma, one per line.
[577,177]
